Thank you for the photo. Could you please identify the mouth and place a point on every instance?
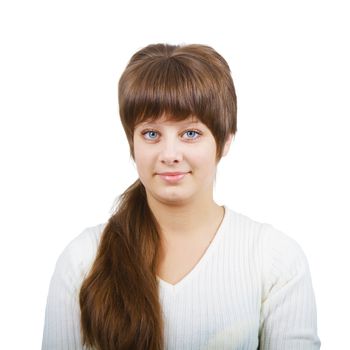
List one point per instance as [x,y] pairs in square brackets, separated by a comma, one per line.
[172,177]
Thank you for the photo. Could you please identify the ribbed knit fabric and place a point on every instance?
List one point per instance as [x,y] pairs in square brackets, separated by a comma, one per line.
[250,290]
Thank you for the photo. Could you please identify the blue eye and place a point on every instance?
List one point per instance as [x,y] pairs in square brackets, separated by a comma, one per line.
[153,135]
[193,133]
[150,132]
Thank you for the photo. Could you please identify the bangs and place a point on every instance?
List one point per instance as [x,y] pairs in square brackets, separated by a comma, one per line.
[166,87]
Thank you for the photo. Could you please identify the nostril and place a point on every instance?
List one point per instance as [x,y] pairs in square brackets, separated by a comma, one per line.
[170,161]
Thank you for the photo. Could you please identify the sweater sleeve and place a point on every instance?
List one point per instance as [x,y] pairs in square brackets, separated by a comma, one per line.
[288,318]
[62,315]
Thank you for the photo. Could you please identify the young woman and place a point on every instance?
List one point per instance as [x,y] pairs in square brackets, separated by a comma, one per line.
[172,269]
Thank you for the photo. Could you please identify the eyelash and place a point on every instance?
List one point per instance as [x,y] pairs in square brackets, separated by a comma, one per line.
[199,133]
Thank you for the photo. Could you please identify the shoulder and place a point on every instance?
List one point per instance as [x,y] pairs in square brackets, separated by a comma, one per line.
[85,244]
[284,263]
[276,252]
[281,252]
[242,224]
[272,241]
[77,257]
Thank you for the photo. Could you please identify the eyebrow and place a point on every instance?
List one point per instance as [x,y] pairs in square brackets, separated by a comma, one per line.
[183,123]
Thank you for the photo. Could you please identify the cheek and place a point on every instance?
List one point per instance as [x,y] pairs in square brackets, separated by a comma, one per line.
[206,153]
[204,159]
[143,160]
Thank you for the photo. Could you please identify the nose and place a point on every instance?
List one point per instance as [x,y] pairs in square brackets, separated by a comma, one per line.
[171,152]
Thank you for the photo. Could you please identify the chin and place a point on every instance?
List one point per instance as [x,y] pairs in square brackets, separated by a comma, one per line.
[172,198]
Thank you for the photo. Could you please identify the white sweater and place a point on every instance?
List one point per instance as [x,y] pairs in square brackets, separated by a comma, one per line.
[251,289]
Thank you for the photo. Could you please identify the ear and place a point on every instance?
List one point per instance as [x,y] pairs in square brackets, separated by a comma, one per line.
[227,144]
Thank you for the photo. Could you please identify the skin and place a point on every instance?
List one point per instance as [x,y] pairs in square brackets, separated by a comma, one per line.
[185,210]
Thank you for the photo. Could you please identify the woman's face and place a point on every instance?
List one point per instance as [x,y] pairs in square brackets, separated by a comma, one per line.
[176,160]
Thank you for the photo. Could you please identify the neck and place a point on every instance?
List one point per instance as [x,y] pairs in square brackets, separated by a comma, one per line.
[186,221]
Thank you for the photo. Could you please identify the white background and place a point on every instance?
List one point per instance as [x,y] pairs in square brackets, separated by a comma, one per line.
[65,159]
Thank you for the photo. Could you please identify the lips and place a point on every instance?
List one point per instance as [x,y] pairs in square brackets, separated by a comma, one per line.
[173,173]
[172,177]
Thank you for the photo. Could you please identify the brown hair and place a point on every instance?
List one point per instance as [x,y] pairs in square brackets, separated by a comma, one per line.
[119,302]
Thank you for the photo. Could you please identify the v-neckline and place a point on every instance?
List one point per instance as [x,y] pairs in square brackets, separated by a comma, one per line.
[196,268]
